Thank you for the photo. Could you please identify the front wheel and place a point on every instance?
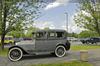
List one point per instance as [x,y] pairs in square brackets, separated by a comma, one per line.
[15,54]
[60,51]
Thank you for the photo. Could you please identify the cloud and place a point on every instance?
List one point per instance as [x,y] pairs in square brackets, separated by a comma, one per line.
[56,4]
[52,5]
[43,25]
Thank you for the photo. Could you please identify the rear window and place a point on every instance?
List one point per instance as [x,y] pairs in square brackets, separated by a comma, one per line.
[51,34]
[59,34]
[56,34]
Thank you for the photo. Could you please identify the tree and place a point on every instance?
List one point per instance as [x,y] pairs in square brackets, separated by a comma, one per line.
[72,35]
[46,28]
[89,15]
[86,34]
[30,30]
[17,13]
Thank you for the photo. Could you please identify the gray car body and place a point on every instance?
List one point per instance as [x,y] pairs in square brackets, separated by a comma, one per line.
[44,44]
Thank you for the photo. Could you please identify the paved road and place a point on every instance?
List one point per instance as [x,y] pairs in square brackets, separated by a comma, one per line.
[94,58]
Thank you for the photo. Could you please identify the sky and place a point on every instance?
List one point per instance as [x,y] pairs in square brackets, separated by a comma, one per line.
[53,16]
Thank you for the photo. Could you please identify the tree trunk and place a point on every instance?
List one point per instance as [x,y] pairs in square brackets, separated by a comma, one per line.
[2,41]
[4,11]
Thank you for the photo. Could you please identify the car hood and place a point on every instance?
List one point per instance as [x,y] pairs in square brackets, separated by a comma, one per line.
[26,42]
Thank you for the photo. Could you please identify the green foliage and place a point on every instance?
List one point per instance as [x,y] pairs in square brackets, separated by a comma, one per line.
[89,16]
[86,34]
[17,34]
[4,52]
[72,35]
[17,15]
[30,30]
[46,28]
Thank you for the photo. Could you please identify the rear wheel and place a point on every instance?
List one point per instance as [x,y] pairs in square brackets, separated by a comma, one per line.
[15,54]
[60,51]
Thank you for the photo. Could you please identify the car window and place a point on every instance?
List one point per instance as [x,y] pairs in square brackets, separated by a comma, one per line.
[59,34]
[51,35]
[39,34]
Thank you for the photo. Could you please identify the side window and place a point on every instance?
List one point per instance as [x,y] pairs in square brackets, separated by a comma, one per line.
[59,34]
[51,35]
[40,35]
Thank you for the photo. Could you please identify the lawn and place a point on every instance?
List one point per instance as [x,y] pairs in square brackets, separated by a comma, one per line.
[4,52]
[71,63]
[85,47]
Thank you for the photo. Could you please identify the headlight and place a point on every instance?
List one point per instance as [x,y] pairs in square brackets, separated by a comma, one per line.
[16,43]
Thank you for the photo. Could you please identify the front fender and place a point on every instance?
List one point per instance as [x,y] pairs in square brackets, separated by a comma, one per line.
[24,52]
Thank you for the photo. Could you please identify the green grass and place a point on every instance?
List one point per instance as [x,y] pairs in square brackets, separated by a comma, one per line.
[71,63]
[85,47]
[4,52]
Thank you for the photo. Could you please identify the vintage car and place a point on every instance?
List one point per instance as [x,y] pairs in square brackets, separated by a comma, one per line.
[43,41]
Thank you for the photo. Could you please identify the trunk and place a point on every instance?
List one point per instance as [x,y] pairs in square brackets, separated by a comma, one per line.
[4,10]
[2,41]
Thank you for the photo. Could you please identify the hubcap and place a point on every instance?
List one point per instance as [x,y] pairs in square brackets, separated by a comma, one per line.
[15,54]
[60,51]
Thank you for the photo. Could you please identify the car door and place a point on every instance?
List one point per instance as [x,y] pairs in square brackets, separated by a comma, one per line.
[54,38]
[51,41]
[40,43]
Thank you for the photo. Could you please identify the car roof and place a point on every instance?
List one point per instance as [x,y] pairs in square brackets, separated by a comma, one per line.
[50,30]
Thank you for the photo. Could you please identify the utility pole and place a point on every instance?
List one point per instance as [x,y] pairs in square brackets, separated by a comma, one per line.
[66,18]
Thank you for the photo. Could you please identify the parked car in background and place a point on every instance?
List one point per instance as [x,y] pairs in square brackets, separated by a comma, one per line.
[43,41]
[8,40]
[90,40]
[72,39]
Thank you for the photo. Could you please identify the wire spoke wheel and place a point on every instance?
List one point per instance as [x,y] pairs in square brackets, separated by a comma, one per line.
[15,54]
[60,51]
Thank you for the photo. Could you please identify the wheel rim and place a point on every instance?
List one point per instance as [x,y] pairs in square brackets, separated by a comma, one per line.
[15,54]
[60,51]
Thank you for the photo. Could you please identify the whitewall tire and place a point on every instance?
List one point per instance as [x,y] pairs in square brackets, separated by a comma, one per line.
[60,51]
[15,54]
